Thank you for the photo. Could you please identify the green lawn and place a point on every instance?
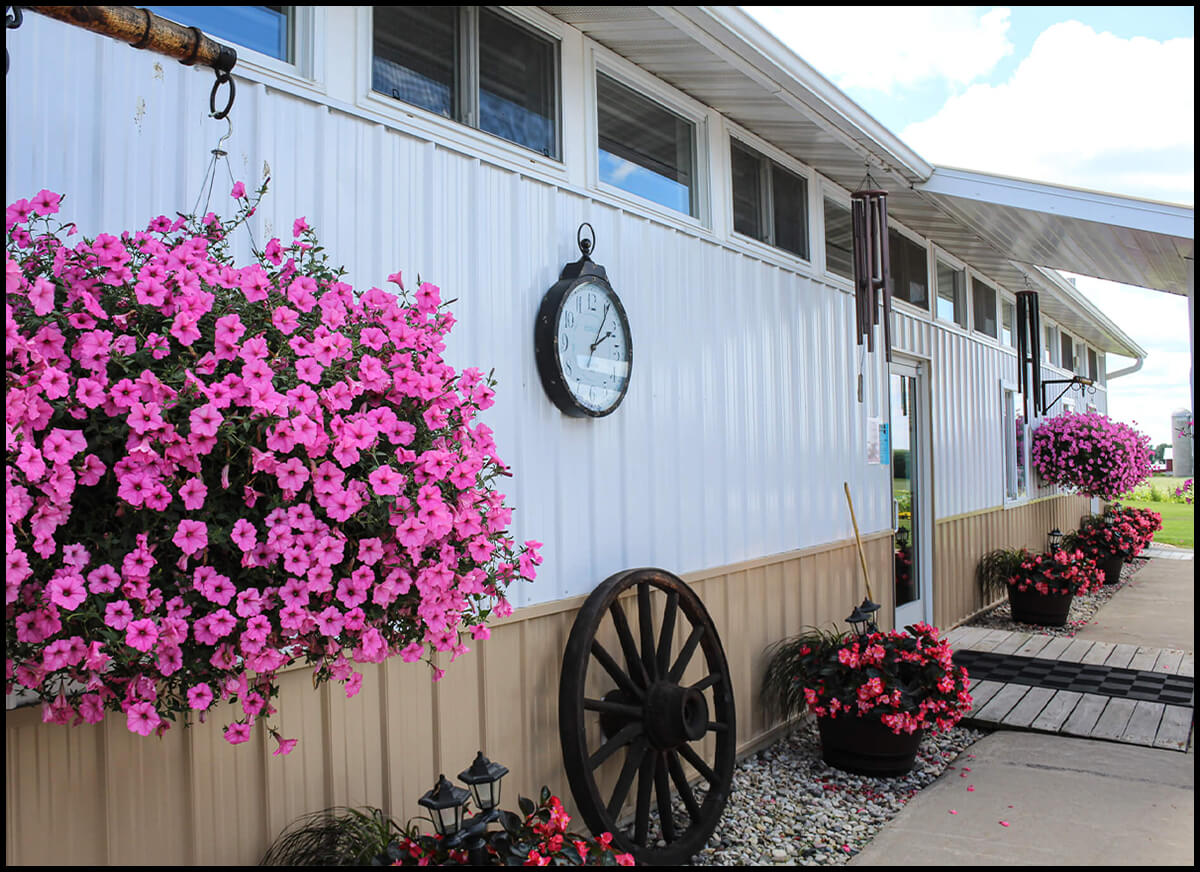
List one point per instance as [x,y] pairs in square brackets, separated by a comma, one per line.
[1178,522]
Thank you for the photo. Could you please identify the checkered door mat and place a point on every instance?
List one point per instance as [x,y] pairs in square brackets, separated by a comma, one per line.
[1079,677]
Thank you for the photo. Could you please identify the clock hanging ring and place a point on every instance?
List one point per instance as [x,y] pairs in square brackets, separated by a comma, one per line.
[582,341]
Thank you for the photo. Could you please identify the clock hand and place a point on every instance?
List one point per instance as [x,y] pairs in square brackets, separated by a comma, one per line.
[599,338]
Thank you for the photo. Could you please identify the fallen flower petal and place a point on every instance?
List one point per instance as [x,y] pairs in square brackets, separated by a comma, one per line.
[1003,823]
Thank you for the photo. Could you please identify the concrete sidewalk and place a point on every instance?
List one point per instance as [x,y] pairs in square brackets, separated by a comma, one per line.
[1054,800]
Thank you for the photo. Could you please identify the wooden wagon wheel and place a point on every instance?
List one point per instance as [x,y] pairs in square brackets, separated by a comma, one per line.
[645,708]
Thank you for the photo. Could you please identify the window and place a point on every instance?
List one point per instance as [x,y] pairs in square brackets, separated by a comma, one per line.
[985,307]
[1015,465]
[951,291]
[839,240]
[770,204]
[268,30]
[473,65]
[645,148]
[1093,365]
[1008,320]
[1049,349]
[1067,352]
[908,270]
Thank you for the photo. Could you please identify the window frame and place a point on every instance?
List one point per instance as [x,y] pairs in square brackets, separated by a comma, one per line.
[466,85]
[738,138]
[1010,393]
[600,60]
[976,279]
[923,244]
[959,267]
[408,117]
[305,72]
[829,193]
[1005,301]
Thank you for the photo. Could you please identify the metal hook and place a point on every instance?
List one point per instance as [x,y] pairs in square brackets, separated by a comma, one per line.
[218,151]
[586,246]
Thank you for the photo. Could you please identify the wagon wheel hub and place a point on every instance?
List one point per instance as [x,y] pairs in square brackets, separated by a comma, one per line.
[674,715]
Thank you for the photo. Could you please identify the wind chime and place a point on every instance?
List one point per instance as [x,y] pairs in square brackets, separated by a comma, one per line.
[872,293]
[1029,349]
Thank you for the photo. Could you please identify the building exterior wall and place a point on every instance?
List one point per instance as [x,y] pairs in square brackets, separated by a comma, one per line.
[94,795]
[725,463]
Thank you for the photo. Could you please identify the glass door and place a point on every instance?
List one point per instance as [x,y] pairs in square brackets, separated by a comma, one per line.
[909,465]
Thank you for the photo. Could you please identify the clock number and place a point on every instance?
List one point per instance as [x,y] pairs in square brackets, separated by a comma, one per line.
[563,341]
[569,320]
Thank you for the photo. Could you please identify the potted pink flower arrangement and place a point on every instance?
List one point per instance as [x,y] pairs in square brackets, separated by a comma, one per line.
[1119,535]
[1092,454]
[873,694]
[1040,586]
[213,471]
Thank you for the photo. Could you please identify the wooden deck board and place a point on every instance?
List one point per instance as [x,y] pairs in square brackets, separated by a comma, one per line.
[1098,653]
[1144,659]
[1012,644]
[1085,715]
[1114,719]
[1002,703]
[1056,712]
[1029,708]
[982,693]
[1175,729]
[1121,656]
[1034,646]
[1143,723]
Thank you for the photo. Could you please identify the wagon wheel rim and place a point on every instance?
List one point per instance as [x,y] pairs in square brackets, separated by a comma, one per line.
[654,719]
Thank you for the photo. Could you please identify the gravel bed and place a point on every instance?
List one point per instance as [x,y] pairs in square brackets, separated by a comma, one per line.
[789,808]
[1083,608]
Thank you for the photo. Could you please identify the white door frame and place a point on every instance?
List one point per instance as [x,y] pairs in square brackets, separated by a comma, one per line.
[921,609]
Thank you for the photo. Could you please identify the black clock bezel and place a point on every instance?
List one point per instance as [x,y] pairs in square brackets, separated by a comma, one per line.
[545,340]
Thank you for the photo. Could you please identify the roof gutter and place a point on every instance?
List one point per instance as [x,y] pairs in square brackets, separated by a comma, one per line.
[1129,370]
[1068,293]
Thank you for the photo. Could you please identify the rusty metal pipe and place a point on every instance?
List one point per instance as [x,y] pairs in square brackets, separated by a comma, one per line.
[141,28]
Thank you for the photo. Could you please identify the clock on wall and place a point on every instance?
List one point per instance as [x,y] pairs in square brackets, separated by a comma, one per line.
[581,340]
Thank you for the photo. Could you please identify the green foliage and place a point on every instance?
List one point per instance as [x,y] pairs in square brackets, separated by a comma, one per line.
[996,568]
[336,836]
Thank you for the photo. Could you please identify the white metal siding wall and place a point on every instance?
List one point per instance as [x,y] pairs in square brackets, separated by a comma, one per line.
[740,425]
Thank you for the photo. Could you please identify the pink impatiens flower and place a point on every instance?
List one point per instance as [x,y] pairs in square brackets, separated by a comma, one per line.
[191,536]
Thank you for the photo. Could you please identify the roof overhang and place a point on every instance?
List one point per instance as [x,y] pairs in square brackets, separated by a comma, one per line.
[1004,228]
[1121,239]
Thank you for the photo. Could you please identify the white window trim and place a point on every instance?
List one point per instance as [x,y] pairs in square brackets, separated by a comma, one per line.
[787,162]
[973,277]
[1003,298]
[956,264]
[1005,387]
[931,292]
[841,196]
[408,117]
[305,75]
[598,59]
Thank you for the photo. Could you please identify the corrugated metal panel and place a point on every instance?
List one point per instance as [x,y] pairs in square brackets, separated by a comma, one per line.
[99,795]
[739,426]
[960,542]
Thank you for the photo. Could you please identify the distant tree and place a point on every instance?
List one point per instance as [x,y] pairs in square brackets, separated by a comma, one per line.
[1160,451]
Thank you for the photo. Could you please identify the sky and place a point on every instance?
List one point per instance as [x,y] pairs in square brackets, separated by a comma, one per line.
[1099,97]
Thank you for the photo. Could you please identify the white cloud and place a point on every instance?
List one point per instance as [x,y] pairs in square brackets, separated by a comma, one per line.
[888,47]
[1086,109]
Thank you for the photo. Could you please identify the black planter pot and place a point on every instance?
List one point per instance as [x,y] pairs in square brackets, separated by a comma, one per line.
[866,747]
[1111,567]
[1046,609]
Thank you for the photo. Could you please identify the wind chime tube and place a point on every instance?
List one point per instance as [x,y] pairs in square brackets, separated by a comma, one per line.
[1036,335]
[856,216]
[885,268]
[1023,351]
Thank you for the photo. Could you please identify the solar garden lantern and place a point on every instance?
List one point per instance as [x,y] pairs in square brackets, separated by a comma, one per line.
[1055,540]
[902,537]
[446,803]
[484,780]
[862,619]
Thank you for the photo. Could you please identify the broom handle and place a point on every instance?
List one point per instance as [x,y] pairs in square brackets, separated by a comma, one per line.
[858,541]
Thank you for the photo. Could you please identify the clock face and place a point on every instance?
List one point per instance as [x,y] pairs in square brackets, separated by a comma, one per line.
[593,347]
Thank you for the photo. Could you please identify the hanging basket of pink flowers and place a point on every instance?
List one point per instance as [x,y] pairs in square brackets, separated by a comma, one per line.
[1092,454]
[214,471]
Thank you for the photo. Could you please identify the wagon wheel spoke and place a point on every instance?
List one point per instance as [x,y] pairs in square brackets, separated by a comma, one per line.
[685,655]
[716,727]
[605,706]
[707,681]
[690,755]
[646,626]
[633,661]
[662,787]
[615,672]
[623,737]
[681,784]
[667,633]
[633,761]
[645,783]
